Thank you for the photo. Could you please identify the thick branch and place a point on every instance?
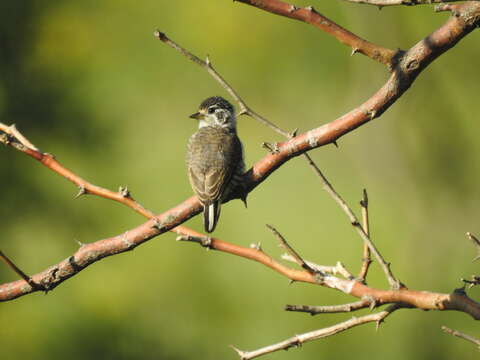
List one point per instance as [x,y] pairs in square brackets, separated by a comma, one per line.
[311,16]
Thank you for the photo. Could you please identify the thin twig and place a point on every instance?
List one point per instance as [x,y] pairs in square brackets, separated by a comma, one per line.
[298,340]
[382,3]
[296,257]
[475,242]
[207,65]
[461,335]
[394,283]
[330,309]
[17,270]
[366,259]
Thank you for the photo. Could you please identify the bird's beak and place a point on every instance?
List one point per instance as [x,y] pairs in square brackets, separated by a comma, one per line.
[197,115]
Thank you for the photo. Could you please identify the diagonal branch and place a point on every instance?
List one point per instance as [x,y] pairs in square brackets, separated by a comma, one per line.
[311,16]
[17,270]
[476,243]
[461,335]
[296,257]
[298,340]
[394,283]
[10,136]
[207,65]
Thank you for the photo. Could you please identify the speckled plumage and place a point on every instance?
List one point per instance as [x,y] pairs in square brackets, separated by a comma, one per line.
[214,157]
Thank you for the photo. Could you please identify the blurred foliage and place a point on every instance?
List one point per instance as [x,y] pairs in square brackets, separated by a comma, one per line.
[86,81]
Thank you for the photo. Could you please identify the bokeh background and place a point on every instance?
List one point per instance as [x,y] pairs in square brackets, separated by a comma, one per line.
[87,81]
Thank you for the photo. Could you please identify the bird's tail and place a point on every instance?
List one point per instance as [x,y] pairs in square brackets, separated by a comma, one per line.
[211,213]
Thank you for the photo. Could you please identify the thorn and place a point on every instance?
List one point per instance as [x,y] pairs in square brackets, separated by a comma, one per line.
[79,243]
[257,246]
[354,51]
[242,112]
[293,8]
[160,35]
[123,191]
[239,352]
[207,61]
[293,133]
[81,191]
[334,142]
[364,201]
[290,282]
[372,114]
[273,148]
[310,8]
[158,225]
[380,7]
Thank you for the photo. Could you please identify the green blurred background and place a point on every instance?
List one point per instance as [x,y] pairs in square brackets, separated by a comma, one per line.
[87,81]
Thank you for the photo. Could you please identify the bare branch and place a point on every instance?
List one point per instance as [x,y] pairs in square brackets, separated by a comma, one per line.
[298,340]
[394,283]
[19,272]
[461,335]
[207,65]
[475,242]
[382,3]
[330,309]
[313,17]
[295,256]
[366,259]
[10,136]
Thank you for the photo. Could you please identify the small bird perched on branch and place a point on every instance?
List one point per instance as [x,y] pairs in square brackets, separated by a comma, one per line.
[214,157]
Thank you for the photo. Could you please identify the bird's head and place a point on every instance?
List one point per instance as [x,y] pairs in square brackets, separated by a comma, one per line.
[217,112]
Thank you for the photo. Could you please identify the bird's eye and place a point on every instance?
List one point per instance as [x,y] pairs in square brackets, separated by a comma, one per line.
[211,110]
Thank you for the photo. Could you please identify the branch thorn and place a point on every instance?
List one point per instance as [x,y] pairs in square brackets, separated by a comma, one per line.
[124,192]
[272,148]
[81,191]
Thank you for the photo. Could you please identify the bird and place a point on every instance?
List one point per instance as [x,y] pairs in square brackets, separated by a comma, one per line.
[215,162]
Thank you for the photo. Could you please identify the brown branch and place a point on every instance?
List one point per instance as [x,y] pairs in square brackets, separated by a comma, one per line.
[312,17]
[425,300]
[9,135]
[366,259]
[382,3]
[461,335]
[298,340]
[409,66]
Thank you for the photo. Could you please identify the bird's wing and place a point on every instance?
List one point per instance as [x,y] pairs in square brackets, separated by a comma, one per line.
[209,184]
